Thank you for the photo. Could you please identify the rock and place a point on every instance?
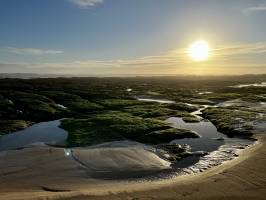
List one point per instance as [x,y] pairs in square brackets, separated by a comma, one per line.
[170,134]
[200,153]
[191,119]
[173,152]
[219,138]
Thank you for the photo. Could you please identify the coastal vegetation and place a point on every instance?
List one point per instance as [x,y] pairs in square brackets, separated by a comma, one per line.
[96,110]
[231,120]
[115,125]
[9,126]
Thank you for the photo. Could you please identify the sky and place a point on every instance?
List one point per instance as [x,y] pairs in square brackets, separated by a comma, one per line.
[123,37]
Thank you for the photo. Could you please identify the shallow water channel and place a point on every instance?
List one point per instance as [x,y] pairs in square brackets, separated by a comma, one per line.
[218,146]
[36,135]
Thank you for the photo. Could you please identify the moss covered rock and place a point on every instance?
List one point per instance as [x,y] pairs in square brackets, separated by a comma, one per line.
[112,126]
[9,126]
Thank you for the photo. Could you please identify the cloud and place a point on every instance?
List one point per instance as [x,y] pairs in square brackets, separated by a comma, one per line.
[240,49]
[32,51]
[84,4]
[259,8]
[89,68]
[226,59]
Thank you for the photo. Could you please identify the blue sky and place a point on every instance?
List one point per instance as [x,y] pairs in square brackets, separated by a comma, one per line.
[131,36]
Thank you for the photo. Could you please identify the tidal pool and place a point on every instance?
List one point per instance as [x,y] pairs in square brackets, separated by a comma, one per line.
[209,140]
[216,145]
[211,149]
[39,134]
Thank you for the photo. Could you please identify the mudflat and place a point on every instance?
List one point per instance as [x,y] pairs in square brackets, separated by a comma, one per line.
[241,178]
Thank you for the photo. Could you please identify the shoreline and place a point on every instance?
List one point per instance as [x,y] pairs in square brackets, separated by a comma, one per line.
[197,186]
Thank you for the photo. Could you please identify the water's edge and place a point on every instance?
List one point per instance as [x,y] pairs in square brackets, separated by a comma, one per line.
[211,149]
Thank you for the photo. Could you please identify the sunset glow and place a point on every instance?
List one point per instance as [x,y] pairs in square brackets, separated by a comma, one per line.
[199,51]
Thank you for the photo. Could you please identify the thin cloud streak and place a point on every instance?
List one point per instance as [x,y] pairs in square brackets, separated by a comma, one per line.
[240,49]
[32,51]
[259,8]
[84,4]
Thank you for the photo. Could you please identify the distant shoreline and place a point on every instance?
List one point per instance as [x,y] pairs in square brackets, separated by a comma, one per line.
[47,75]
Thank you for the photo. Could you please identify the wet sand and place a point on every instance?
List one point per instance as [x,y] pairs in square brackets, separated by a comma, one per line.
[242,178]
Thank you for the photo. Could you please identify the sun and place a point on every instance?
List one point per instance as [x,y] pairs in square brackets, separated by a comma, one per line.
[199,51]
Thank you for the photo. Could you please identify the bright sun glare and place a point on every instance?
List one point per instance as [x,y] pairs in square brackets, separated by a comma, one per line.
[199,51]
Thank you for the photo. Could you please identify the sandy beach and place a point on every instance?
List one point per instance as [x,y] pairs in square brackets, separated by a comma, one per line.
[241,178]
[132,100]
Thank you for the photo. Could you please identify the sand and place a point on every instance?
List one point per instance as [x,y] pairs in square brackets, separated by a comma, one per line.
[119,162]
[44,168]
[242,178]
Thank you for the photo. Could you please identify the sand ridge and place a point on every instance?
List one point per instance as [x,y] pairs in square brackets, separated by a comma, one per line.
[241,178]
